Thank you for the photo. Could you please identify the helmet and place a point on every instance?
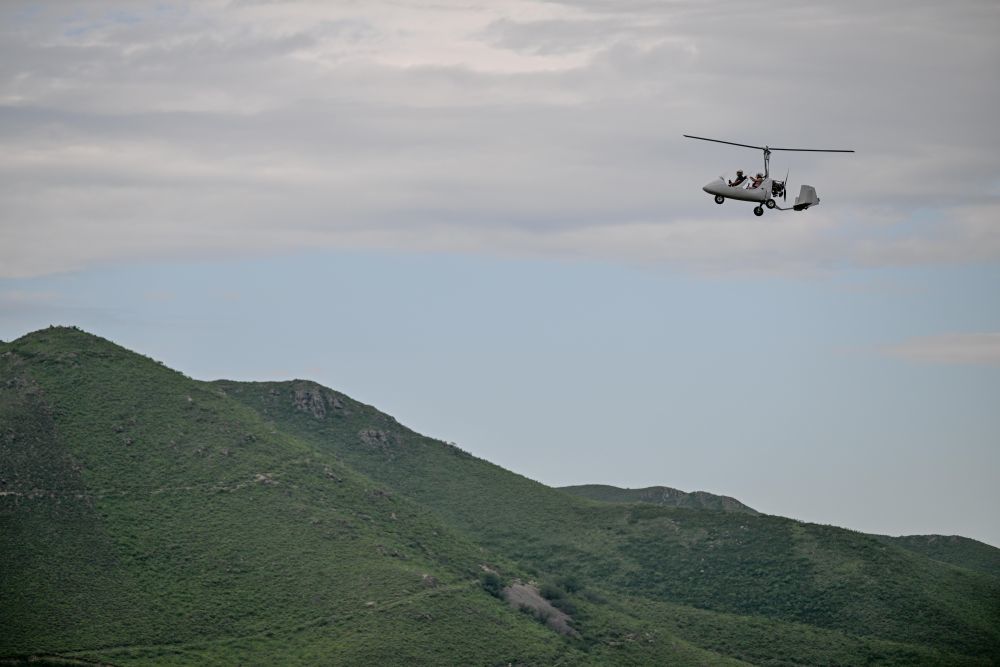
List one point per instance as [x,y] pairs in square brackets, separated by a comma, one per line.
[760,175]
[739,171]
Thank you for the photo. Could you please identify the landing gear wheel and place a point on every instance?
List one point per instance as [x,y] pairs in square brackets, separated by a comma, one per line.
[759,211]
[770,203]
[719,199]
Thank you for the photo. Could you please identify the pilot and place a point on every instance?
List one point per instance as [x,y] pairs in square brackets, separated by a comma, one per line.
[739,179]
[757,180]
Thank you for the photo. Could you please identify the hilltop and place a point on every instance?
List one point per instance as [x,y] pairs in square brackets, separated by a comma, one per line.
[953,549]
[659,495]
[150,518]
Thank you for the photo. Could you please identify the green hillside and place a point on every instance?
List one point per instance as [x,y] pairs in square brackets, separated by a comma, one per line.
[659,495]
[769,568]
[960,551]
[148,518]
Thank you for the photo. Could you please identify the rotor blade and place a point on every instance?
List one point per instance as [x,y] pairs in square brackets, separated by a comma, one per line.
[720,141]
[812,150]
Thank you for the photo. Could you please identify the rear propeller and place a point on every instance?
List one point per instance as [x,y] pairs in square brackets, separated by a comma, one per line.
[784,188]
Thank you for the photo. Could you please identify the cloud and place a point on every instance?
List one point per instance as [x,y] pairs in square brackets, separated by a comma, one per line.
[957,348]
[515,127]
[160,296]
[27,299]
[23,310]
[562,36]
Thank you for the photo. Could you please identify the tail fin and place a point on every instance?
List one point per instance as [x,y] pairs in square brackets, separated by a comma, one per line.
[807,197]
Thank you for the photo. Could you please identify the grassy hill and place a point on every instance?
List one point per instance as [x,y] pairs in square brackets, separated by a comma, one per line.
[148,518]
[659,495]
[953,549]
[733,563]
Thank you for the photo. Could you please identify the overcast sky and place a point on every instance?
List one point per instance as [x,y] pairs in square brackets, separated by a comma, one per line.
[484,220]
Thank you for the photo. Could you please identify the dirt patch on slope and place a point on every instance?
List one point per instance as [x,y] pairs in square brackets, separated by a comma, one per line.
[526,596]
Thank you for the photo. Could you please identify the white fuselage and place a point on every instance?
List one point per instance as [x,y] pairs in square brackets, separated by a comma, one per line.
[720,188]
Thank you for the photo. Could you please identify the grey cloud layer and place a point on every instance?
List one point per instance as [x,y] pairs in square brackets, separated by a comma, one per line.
[975,349]
[138,130]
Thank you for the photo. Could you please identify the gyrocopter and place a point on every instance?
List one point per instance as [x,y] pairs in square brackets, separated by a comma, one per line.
[762,189]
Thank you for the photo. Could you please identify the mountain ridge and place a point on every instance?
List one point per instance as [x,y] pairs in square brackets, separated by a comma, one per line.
[659,495]
[544,543]
[153,518]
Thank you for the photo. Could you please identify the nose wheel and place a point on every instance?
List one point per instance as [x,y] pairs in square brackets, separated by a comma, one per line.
[758,211]
[770,203]
[719,199]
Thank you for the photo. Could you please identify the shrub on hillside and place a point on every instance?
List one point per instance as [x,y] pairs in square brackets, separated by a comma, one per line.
[551,592]
[565,606]
[569,583]
[492,583]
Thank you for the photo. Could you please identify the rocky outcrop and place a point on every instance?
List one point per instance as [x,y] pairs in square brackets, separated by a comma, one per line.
[318,402]
[383,441]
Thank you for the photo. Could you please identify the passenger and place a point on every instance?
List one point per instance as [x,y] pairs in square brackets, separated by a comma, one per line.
[739,179]
[757,180]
